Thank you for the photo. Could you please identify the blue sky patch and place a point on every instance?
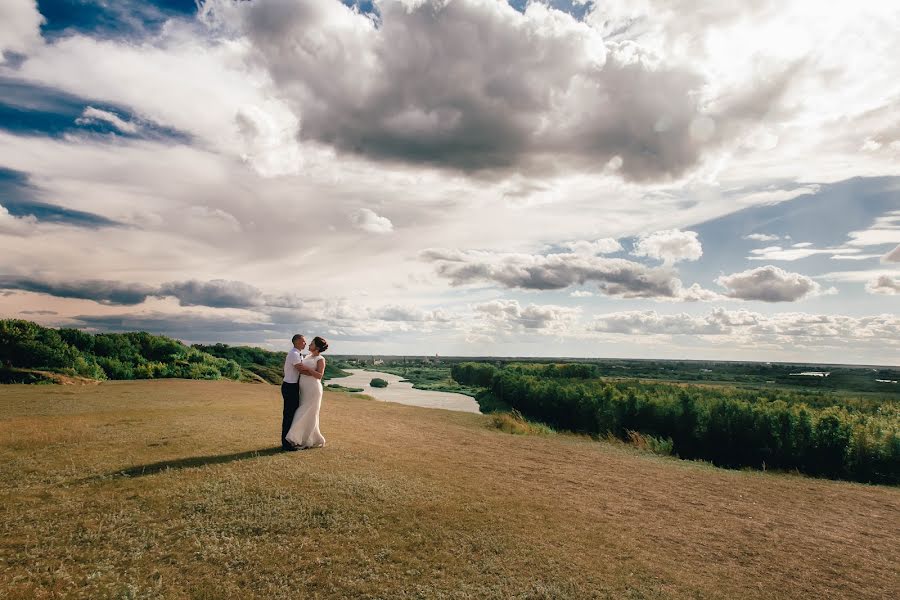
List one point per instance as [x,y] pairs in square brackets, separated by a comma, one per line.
[37,110]
[573,7]
[366,7]
[22,199]
[110,18]
[823,219]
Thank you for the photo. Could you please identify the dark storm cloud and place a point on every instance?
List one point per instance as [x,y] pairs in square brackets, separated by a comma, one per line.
[613,276]
[475,86]
[98,290]
[218,293]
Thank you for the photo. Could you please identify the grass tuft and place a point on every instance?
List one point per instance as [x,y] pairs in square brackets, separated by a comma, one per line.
[649,443]
[513,422]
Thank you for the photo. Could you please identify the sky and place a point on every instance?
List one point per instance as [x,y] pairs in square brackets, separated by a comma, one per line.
[670,179]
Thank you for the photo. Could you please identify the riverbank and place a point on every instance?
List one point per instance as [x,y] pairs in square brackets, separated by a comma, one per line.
[435,378]
[404,392]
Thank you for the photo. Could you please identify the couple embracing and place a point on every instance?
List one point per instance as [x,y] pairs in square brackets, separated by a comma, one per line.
[301,390]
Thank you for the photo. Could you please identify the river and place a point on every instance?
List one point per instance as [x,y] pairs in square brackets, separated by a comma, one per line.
[402,392]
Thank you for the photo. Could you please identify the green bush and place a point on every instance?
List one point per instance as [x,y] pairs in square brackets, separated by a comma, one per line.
[139,355]
[378,383]
[730,427]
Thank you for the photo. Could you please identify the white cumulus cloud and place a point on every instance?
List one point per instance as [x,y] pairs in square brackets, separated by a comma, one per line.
[368,220]
[20,24]
[93,115]
[669,246]
[885,284]
[593,248]
[762,237]
[768,284]
[507,314]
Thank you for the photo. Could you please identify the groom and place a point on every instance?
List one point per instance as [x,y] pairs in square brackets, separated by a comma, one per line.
[290,388]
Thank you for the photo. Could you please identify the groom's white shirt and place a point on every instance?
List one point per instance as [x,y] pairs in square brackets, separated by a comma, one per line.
[291,375]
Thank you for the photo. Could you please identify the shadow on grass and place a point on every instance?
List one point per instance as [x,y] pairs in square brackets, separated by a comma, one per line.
[193,461]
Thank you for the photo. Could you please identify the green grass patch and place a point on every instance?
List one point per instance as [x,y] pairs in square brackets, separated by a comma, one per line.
[342,388]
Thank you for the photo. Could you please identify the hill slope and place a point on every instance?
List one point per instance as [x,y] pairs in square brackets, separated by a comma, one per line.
[173,489]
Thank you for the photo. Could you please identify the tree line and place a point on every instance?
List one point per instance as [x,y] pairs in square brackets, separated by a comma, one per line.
[265,363]
[101,356]
[133,355]
[730,427]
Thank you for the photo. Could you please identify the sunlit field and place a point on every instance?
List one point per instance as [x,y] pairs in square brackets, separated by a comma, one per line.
[175,489]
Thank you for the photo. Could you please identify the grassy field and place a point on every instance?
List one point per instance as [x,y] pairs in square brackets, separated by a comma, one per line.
[174,489]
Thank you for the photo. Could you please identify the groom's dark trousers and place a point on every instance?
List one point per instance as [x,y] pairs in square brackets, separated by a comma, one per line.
[290,392]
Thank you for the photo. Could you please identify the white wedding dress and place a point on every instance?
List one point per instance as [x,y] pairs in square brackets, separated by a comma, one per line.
[304,431]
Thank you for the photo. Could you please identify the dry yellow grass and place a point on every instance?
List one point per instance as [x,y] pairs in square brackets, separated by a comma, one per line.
[173,489]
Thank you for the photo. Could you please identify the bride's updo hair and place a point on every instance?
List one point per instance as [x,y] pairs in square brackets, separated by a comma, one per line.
[321,344]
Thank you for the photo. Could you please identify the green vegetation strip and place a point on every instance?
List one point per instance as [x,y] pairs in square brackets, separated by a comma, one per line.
[730,427]
[27,348]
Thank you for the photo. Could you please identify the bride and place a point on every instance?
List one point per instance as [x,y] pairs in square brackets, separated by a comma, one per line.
[304,431]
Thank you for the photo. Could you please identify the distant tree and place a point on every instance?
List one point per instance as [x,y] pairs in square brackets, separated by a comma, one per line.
[378,383]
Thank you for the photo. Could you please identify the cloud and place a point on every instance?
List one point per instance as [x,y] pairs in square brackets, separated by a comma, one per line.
[884,284]
[761,237]
[507,314]
[697,293]
[669,246]
[12,225]
[34,109]
[601,246]
[471,85]
[195,87]
[885,230]
[22,207]
[20,24]
[368,220]
[653,323]
[93,115]
[218,293]
[204,220]
[768,284]
[394,312]
[892,256]
[581,294]
[98,290]
[613,276]
[745,327]
[799,251]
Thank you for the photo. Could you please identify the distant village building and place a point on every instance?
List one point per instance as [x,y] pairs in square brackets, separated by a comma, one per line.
[886,380]
[812,374]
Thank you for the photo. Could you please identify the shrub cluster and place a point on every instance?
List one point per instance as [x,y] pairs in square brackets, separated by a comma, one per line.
[140,355]
[730,427]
